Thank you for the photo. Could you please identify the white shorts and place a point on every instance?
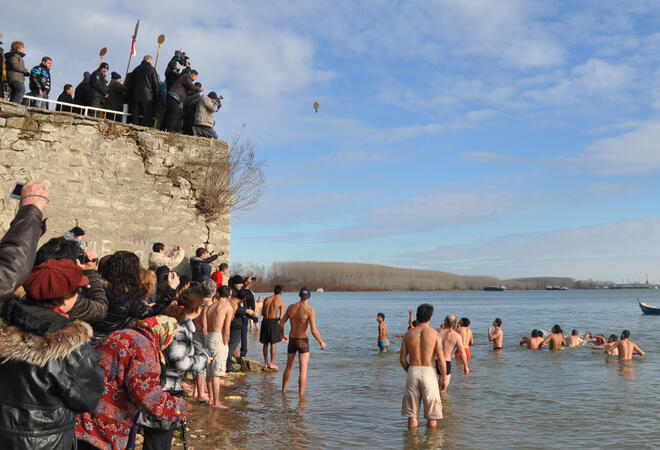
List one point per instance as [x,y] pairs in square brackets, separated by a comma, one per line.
[216,348]
[422,384]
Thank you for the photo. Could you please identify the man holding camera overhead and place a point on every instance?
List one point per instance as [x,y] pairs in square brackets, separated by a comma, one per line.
[204,119]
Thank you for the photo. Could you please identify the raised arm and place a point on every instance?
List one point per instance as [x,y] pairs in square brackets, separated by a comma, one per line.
[410,319]
[315,331]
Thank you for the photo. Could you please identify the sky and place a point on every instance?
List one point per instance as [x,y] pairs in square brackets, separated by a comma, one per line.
[503,138]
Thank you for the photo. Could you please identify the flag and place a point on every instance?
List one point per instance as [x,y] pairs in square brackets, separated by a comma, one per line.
[133,47]
[137,25]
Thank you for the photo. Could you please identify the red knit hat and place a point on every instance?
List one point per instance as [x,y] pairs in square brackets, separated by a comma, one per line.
[54,279]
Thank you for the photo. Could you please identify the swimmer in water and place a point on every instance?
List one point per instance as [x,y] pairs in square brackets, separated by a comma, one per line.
[556,339]
[383,341]
[574,339]
[467,336]
[532,342]
[496,336]
[626,348]
[451,341]
[610,347]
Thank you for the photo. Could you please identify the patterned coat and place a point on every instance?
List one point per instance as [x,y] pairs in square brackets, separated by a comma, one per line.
[180,356]
[130,361]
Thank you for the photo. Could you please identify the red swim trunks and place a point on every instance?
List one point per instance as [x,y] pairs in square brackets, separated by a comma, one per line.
[467,353]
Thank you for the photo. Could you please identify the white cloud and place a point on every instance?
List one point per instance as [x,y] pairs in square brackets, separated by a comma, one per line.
[488,157]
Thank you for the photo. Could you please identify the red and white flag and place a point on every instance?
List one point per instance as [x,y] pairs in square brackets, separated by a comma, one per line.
[137,25]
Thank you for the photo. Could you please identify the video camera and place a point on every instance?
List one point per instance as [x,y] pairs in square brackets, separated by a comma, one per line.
[181,58]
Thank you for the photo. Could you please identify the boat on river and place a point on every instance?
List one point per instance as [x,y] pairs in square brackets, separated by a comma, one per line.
[495,288]
[649,309]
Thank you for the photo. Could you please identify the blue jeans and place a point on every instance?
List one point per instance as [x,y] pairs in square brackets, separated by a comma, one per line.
[234,340]
[16,91]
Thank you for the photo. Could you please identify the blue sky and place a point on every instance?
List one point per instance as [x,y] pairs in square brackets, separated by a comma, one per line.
[507,138]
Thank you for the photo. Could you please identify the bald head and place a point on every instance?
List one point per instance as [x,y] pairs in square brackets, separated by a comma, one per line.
[450,322]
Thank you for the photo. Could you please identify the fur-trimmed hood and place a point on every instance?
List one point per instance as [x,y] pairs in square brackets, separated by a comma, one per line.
[37,335]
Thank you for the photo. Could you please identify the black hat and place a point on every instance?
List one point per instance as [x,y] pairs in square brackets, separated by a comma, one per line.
[304,293]
[77,231]
[115,76]
[104,66]
[213,95]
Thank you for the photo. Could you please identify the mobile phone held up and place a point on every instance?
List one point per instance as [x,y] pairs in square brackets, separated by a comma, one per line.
[16,192]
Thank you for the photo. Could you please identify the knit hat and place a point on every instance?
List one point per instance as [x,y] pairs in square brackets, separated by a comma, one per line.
[54,279]
[115,76]
[213,95]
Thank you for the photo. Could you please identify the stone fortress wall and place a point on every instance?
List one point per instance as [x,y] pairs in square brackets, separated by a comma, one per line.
[116,181]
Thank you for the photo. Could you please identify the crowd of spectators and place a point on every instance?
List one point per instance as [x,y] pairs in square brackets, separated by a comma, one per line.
[176,104]
[93,347]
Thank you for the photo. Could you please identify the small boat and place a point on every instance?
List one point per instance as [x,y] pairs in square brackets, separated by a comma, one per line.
[649,309]
[556,288]
[320,290]
[495,288]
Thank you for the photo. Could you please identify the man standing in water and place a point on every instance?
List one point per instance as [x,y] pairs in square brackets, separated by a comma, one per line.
[421,350]
[451,340]
[627,348]
[468,339]
[497,336]
[532,342]
[272,312]
[218,318]
[574,339]
[383,341]
[556,339]
[303,318]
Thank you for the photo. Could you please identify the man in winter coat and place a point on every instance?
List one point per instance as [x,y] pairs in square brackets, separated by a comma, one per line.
[158,257]
[144,93]
[115,100]
[50,372]
[204,119]
[40,82]
[18,247]
[66,97]
[189,108]
[200,266]
[80,95]
[98,88]
[16,72]
[176,94]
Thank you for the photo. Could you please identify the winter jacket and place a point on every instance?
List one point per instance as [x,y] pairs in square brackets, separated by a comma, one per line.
[92,303]
[66,98]
[80,94]
[171,72]
[183,86]
[144,86]
[130,361]
[200,268]
[181,357]
[204,114]
[40,80]
[49,374]
[170,259]
[98,87]
[115,100]
[16,70]
[18,249]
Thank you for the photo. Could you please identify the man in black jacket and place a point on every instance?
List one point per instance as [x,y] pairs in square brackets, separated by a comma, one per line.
[50,372]
[241,315]
[18,247]
[40,82]
[176,94]
[144,92]
[80,94]
[200,266]
[16,71]
[66,97]
[98,88]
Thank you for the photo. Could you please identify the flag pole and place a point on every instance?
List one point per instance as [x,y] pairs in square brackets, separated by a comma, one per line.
[137,25]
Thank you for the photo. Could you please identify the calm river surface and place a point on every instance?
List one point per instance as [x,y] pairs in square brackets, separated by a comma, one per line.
[576,398]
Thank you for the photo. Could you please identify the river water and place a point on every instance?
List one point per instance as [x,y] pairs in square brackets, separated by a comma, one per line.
[575,398]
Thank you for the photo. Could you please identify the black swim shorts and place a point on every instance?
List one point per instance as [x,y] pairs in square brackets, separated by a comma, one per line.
[300,345]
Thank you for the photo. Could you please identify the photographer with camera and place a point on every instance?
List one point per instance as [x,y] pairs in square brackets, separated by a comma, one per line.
[204,119]
[178,90]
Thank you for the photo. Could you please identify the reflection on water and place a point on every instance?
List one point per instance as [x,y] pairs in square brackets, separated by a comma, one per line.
[511,399]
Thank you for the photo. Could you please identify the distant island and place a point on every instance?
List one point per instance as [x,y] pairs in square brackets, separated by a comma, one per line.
[338,276]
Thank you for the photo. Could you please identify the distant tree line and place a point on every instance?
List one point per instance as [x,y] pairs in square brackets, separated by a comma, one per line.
[335,276]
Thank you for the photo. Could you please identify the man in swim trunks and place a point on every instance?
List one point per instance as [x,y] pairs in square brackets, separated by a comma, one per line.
[272,312]
[532,342]
[574,339]
[468,339]
[451,341]
[421,350]
[626,348]
[303,318]
[383,341]
[218,319]
[556,339]
[496,336]
[258,306]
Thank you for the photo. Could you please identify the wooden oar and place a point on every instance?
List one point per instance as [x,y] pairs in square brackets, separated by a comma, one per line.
[102,54]
[161,39]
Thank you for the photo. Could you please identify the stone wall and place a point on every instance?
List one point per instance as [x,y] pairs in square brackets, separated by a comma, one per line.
[116,181]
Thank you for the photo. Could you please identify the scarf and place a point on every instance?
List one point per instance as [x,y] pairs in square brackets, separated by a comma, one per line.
[162,327]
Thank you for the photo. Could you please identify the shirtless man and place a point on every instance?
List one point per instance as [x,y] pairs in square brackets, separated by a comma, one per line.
[574,339]
[383,341]
[468,338]
[218,319]
[303,318]
[532,342]
[257,312]
[421,349]
[556,339]
[451,341]
[626,348]
[496,336]
[610,347]
[272,312]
